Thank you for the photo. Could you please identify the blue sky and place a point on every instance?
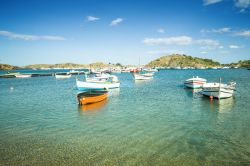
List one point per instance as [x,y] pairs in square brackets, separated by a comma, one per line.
[86,31]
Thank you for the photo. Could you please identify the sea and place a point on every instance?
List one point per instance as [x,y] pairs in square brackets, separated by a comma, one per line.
[153,122]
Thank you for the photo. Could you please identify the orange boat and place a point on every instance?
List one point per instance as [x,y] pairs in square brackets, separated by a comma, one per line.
[92,96]
[94,106]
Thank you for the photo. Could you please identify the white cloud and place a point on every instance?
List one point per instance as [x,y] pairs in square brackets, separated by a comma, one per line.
[161,30]
[204,52]
[116,21]
[208,44]
[234,46]
[243,4]
[179,40]
[221,47]
[244,33]
[92,18]
[12,35]
[210,2]
[162,52]
[220,30]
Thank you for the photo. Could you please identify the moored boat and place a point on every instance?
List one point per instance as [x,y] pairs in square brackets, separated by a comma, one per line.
[84,85]
[150,70]
[143,76]
[58,75]
[98,78]
[74,72]
[22,75]
[94,106]
[218,90]
[195,82]
[93,96]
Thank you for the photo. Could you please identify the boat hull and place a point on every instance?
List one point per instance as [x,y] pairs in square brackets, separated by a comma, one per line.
[63,76]
[219,93]
[91,97]
[23,75]
[142,77]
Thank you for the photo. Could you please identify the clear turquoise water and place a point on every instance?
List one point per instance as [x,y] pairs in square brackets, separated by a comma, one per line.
[156,122]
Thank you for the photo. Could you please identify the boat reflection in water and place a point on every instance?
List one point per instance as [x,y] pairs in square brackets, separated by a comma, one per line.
[223,105]
[194,93]
[94,106]
[142,82]
[114,92]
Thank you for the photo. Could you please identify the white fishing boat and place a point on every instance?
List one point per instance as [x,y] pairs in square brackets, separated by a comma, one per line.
[150,70]
[67,75]
[74,71]
[195,82]
[142,77]
[218,90]
[110,83]
[151,74]
[83,85]
[23,75]
[100,78]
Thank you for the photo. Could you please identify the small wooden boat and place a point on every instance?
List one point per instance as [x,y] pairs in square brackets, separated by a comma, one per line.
[22,75]
[95,84]
[93,96]
[143,77]
[195,82]
[218,90]
[98,78]
[58,75]
[83,86]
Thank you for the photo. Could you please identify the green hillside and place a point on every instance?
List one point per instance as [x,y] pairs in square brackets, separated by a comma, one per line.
[8,67]
[244,63]
[177,60]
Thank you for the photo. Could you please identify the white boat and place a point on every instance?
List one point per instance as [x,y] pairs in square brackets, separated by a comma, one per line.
[195,82]
[22,75]
[116,71]
[100,78]
[148,74]
[73,71]
[63,75]
[218,90]
[83,85]
[150,70]
[143,77]
[95,79]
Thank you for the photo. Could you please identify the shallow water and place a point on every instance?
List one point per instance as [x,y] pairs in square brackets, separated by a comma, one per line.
[154,122]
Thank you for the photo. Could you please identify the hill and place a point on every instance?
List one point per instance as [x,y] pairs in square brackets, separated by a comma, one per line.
[71,65]
[62,65]
[8,67]
[244,64]
[177,60]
